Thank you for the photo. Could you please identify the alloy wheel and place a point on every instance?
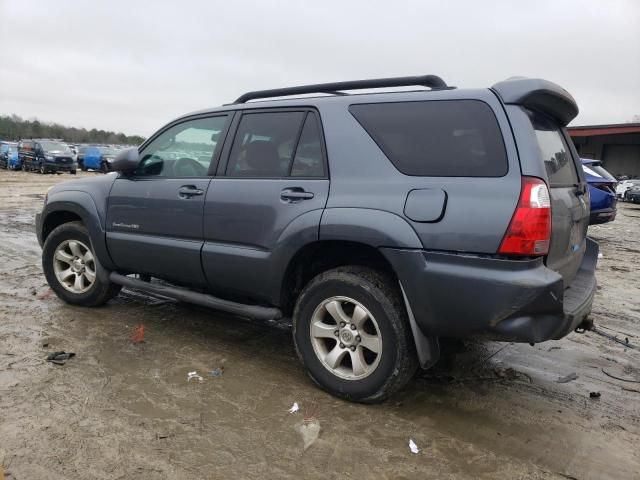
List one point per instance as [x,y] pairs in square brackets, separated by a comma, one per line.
[346,338]
[74,266]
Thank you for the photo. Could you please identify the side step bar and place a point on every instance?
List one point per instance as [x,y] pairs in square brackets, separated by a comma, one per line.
[252,311]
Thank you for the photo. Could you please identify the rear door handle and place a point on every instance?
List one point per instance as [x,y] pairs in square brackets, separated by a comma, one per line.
[187,191]
[295,194]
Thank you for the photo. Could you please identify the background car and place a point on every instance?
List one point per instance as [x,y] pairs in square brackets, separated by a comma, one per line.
[602,191]
[9,155]
[625,185]
[98,158]
[633,194]
[46,156]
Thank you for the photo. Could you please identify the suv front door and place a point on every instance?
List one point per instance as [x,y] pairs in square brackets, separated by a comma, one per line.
[154,217]
[269,195]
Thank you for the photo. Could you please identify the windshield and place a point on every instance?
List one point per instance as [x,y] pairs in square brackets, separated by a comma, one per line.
[107,151]
[597,171]
[55,147]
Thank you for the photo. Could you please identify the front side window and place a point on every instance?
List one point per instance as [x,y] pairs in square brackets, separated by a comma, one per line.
[439,138]
[264,144]
[183,150]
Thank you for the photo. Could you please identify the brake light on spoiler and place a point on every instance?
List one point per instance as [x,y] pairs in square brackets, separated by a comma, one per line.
[529,232]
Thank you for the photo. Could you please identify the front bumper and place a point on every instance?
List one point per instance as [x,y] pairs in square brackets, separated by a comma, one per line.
[602,216]
[60,167]
[454,295]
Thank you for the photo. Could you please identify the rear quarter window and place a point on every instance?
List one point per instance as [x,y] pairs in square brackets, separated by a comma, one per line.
[558,163]
[437,138]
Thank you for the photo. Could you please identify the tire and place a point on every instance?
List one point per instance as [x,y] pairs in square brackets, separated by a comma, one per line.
[43,169]
[24,167]
[385,327]
[72,172]
[73,239]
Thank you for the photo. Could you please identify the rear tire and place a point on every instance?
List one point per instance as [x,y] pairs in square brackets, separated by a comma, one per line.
[346,364]
[43,170]
[72,269]
[72,172]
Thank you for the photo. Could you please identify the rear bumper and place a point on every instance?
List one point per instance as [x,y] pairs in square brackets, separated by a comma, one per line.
[454,295]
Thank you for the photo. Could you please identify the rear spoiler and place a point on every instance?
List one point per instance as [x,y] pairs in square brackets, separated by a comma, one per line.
[538,94]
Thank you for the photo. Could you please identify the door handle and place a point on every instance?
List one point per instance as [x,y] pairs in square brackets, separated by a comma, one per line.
[295,194]
[187,191]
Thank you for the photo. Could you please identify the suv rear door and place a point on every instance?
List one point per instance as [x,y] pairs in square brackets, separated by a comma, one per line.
[272,179]
[546,151]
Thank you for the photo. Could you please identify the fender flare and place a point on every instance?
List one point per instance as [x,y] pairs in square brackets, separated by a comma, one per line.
[83,205]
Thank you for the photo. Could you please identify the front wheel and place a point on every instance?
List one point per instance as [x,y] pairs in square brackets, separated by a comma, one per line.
[72,269]
[72,172]
[351,332]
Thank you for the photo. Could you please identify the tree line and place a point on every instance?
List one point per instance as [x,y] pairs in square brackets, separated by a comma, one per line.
[12,127]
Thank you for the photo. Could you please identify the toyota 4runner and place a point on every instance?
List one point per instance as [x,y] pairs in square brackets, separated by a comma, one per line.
[378,222]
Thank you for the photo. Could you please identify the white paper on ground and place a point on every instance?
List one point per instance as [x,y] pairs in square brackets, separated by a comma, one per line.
[413,447]
[294,408]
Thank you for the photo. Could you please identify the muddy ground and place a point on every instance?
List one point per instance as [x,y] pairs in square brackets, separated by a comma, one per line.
[124,411]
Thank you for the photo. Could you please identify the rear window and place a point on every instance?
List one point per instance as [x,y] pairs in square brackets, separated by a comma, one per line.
[438,138]
[597,170]
[561,170]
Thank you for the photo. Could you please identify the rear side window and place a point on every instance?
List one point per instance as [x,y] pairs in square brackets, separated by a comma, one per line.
[264,144]
[438,138]
[561,170]
[308,161]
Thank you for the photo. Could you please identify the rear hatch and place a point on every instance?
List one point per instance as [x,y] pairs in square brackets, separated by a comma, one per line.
[568,192]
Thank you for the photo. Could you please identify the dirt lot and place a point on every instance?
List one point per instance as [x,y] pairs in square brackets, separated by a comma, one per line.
[119,410]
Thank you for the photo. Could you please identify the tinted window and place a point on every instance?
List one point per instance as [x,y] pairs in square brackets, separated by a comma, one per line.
[554,151]
[308,160]
[184,150]
[263,145]
[452,138]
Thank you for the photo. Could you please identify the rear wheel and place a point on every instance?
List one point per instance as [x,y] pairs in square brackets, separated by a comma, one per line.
[352,334]
[72,172]
[72,269]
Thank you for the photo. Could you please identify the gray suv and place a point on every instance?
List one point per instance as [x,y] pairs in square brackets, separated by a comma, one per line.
[378,222]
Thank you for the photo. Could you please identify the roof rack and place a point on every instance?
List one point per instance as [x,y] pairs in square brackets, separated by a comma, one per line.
[432,81]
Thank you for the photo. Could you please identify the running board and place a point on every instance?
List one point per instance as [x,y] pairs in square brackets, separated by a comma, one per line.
[252,311]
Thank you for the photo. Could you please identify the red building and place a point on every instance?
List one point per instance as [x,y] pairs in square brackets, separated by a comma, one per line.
[618,146]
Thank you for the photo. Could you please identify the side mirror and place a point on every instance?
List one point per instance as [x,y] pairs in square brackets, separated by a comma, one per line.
[126,161]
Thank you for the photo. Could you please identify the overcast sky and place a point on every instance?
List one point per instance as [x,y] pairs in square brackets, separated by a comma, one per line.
[134,65]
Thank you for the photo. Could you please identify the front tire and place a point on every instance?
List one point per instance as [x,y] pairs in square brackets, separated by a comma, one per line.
[351,332]
[72,269]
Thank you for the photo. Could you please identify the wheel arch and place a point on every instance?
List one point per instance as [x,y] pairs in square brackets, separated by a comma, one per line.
[76,206]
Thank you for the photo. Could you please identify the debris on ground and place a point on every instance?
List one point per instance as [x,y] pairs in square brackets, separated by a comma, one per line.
[600,255]
[217,372]
[294,408]
[310,431]
[60,358]
[138,334]
[594,394]
[44,294]
[192,375]
[413,447]
[568,378]
[508,373]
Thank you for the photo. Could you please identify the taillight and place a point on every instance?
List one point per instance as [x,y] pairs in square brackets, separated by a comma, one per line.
[529,232]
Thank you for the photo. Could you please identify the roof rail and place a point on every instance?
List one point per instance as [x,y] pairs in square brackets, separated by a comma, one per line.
[431,81]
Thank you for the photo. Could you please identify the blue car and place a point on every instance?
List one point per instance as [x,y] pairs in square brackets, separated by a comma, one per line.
[9,156]
[98,158]
[602,191]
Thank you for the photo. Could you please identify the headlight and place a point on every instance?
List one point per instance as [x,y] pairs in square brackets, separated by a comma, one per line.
[48,157]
